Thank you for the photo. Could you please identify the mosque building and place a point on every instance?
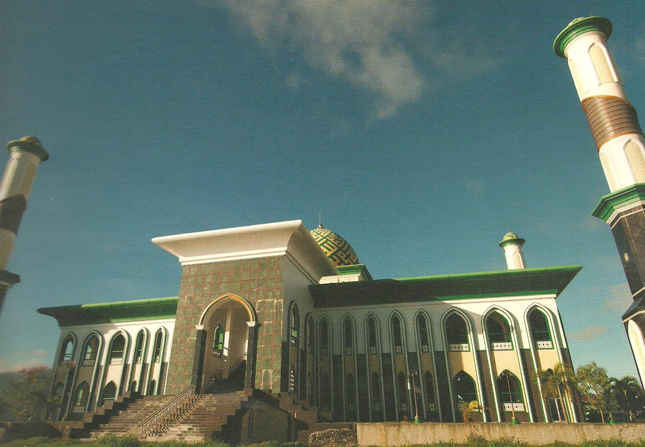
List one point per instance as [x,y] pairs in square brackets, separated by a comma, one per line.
[277,310]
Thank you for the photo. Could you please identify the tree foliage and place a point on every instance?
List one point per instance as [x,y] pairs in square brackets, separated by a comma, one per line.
[558,382]
[28,398]
[628,395]
[594,386]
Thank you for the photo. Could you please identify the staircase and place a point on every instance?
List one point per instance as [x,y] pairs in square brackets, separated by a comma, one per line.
[124,421]
[208,420]
[306,418]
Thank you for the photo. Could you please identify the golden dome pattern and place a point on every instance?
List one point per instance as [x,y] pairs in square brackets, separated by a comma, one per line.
[335,247]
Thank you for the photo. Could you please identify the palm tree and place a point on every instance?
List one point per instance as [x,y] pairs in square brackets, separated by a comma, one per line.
[627,392]
[558,383]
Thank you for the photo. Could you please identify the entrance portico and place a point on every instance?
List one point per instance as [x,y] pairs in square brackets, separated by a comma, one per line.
[226,344]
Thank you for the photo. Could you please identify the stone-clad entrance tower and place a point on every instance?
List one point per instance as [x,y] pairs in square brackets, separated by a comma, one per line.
[621,148]
[20,173]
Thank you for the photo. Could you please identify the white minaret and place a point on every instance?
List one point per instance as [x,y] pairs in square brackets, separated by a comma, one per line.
[20,173]
[614,125]
[621,148]
[512,245]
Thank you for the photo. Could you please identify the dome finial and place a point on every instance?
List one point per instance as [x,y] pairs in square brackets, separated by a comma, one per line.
[320,221]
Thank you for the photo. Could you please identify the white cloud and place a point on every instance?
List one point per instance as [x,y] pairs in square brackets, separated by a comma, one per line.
[372,44]
[619,300]
[36,353]
[10,366]
[589,333]
[22,359]
[639,50]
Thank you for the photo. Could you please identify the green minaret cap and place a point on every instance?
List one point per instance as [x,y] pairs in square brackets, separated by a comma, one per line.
[578,27]
[29,144]
[511,237]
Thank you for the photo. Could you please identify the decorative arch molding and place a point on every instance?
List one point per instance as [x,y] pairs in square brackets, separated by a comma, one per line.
[145,340]
[393,352]
[218,301]
[308,387]
[513,327]
[325,355]
[555,336]
[370,384]
[473,349]
[99,355]
[59,355]
[435,385]
[352,375]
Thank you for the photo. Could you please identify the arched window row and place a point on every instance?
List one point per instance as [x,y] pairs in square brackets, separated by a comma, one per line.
[117,348]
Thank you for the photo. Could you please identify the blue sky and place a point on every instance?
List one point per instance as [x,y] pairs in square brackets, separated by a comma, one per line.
[422,131]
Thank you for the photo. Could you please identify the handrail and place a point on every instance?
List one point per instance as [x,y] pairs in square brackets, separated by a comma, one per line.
[171,412]
[237,362]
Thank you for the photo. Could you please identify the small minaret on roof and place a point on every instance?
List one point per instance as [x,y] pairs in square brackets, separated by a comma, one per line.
[512,245]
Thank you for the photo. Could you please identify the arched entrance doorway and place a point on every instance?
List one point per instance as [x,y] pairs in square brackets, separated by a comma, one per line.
[226,343]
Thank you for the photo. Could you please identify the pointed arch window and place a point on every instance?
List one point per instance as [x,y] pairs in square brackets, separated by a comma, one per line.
[310,336]
[348,336]
[422,329]
[397,334]
[464,388]
[324,337]
[81,395]
[109,392]
[371,335]
[66,350]
[138,348]
[540,332]
[116,350]
[158,348]
[510,391]
[91,351]
[218,341]
[294,324]
[499,333]
[457,333]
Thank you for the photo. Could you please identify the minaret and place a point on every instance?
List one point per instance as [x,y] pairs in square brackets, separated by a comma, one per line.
[26,154]
[621,148]
[512,245]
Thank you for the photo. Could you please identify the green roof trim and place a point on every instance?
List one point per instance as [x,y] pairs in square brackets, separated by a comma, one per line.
[356,269]
[578,27]
[120,311]
[510,283]
[618,199]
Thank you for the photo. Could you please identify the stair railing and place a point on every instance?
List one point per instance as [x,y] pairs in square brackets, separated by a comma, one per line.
[170,413]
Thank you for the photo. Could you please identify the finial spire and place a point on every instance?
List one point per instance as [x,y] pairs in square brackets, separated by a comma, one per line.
[320,221]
